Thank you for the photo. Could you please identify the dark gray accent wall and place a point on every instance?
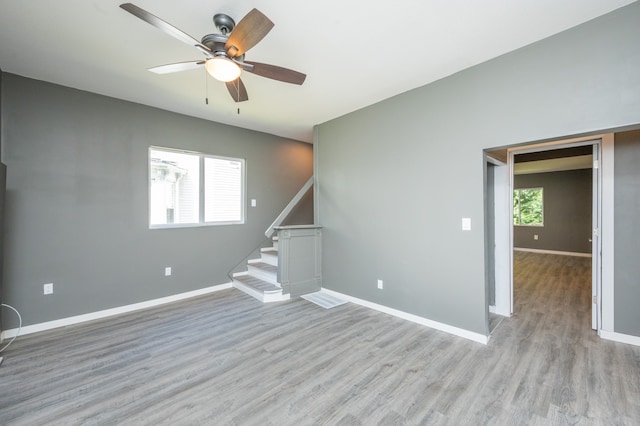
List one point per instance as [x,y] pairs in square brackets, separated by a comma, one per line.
[302,214]
[2,192]
[3,182]
[567,211]
[77,200]
[627,232]
[1,134]
[397,177]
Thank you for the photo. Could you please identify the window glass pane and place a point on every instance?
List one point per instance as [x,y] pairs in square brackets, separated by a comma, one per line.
[174,187]
[516,207]
[223,190]
[528,207]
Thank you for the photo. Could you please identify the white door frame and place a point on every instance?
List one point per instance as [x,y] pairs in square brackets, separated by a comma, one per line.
[502,252]
[603,288]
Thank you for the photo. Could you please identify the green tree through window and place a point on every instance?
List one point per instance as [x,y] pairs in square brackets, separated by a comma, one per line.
[528,207]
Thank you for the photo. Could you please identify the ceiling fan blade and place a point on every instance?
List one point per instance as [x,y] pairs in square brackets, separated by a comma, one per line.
[237,90]
[276,73]
[177,67]
[248,32]
[164,26]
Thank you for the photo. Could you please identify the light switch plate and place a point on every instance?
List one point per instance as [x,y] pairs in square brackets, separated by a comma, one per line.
[466,224]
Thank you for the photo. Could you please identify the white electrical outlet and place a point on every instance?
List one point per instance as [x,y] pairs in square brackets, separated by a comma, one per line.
[48,288]
[380,285]
[253,202]
[466,224]
[535,237]
[167,271]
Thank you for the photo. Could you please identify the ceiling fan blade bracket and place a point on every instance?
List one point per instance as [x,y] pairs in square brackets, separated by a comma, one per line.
[245,66]
[232,51]
[204,49]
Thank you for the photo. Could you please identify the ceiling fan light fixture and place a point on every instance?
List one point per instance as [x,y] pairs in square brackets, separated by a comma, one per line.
[222,69]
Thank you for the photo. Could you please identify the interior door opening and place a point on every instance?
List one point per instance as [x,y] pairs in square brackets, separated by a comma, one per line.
[500,288]
[554,228]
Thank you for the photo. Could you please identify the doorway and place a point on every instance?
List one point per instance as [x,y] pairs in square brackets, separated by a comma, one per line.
[500,290]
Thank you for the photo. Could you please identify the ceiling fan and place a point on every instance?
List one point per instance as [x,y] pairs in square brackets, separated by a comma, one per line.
[224,53]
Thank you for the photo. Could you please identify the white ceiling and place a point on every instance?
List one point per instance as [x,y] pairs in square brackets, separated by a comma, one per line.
[354,52]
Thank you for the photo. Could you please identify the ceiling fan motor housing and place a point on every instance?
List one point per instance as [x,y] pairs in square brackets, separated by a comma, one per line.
[215,42]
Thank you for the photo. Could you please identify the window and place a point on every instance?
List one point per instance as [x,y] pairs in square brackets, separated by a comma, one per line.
[528,207]
[189,188]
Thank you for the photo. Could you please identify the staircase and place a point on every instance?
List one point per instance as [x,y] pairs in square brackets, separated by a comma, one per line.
[260,280]
[292,266]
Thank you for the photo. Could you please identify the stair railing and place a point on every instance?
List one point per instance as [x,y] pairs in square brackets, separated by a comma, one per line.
[249,255]
[289,208]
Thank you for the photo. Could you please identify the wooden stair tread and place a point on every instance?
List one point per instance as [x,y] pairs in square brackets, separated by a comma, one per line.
[258,284]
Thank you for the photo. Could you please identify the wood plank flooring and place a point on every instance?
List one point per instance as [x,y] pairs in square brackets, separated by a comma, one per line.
[227,359]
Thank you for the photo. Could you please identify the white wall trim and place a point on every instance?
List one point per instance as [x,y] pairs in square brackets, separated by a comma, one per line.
[502,241]
[35,328]
[460,332]
[607,306]
[619,337]
[561,253]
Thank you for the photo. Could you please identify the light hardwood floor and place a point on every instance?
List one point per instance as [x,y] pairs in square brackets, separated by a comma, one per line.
[227,359]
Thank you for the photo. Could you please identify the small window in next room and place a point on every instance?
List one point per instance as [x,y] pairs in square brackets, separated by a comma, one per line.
[194,189]
[528,207]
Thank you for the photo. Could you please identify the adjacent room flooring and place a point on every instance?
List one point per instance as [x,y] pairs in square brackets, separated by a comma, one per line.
[227,359]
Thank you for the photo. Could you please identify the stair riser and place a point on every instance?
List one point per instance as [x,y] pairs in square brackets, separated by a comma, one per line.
[269,258]
[264,298]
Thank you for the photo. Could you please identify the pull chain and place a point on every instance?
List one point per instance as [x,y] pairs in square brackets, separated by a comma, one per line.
[206,88]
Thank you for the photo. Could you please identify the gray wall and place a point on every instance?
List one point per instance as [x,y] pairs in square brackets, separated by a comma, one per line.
[77,212]
[396,178]
[627,232]
[567,211]
[302,214]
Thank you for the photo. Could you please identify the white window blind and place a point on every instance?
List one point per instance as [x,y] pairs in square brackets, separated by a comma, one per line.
[223,190]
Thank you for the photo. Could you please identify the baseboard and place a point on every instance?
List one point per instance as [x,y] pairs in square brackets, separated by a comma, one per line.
[35,328]
[619,337]
[561,253]
[460,332]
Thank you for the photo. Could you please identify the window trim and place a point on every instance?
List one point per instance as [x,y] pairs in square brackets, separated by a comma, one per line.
[201,190]
[535,225]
